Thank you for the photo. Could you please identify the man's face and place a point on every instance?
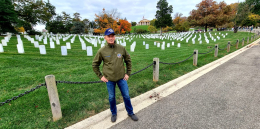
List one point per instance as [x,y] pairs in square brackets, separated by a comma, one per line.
[110,38]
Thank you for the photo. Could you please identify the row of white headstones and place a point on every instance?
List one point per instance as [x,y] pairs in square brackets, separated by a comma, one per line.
[95,40]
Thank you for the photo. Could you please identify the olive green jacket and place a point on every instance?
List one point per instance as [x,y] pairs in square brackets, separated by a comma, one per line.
[113,65]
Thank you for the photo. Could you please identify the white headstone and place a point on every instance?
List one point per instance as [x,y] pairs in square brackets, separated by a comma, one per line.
[36,44]
[32,40]
[52,45]
[64,50]
[102,45]
[1,48]
[200,42]
[68,45]
[154,43]
[179,44]
[143,42]
[168,44]
[42,49]
[132,48]
[89,51]
[45,41]
[172,43]
[20,48]
[147,46]
[58,42]
[158,44]
[163,47]
[83,45]
[4,43]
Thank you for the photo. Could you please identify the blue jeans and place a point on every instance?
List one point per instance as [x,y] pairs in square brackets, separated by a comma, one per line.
[122,84]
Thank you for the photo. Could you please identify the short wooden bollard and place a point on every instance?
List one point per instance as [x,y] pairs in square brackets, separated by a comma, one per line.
[54,97]
[216,50]
[237,44]
[195,57]
[251,38]
[243,41]
[247,40]
[156,70]
[228,47]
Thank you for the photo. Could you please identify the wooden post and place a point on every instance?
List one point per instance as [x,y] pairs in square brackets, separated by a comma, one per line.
[237,44]
[216,50]
[156,70]
[243,41]
[251,39]
[195,57]
[228,47]
[54,97]
[247,40]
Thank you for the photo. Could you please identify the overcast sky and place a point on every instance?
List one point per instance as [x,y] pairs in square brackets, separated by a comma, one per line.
[133,10]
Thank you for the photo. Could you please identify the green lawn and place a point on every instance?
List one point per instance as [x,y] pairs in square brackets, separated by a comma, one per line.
[144,27]
[21,72]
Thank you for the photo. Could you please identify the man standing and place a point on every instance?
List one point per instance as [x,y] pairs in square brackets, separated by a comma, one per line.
[113,56]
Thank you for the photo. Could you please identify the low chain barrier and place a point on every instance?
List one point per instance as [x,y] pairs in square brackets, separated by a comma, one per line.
[224,48]
[22,94]
[209,50]
[178,62]
[68,82]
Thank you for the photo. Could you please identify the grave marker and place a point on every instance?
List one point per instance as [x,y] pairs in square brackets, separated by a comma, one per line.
[64,50]
[89,51]
[179,44]
[42,49]
[147,46]
[20,48]
[52,45]
[1,48]
[68,45]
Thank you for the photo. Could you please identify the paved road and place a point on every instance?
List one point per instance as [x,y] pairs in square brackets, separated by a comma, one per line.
[226,97]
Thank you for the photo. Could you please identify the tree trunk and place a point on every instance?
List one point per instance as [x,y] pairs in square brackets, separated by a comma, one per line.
[206,27]
[235,28]
[161,31]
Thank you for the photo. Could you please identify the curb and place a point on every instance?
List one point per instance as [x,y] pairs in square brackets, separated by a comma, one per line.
[102,119]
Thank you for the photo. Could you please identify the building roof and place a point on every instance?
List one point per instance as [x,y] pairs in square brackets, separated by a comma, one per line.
[145,20]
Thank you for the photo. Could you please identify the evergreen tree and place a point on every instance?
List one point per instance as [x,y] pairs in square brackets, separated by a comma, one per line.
[163,14]
[8,16]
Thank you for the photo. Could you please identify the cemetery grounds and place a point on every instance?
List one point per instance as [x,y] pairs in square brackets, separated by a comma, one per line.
[21,72]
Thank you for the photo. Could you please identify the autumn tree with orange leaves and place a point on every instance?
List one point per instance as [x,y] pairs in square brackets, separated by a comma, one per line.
[210,13]
[111,19]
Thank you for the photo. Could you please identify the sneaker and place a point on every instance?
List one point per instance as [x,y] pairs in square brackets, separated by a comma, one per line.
[133,117]
[113,118]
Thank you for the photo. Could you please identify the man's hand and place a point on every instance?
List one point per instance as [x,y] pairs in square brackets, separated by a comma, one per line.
[104,79]
[126,77]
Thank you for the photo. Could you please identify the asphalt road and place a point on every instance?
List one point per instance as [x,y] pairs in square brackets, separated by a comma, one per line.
[226,97]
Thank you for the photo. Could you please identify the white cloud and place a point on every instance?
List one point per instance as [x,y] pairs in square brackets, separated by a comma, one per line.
[133,10]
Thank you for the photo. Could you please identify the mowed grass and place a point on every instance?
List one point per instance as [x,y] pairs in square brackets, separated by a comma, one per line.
[21,72]
[144,27]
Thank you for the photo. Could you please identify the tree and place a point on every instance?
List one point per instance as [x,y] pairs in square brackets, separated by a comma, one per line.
[209,13]
[8,16]
[133,23]
[106,20]
[67,21]
[254,6]
[33,12]
[78,28]
[181,23]
[163,14]
[152,22]
[152,29]
[241,16]
[124,26]
[19,29]
[76,17]
[56,25]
